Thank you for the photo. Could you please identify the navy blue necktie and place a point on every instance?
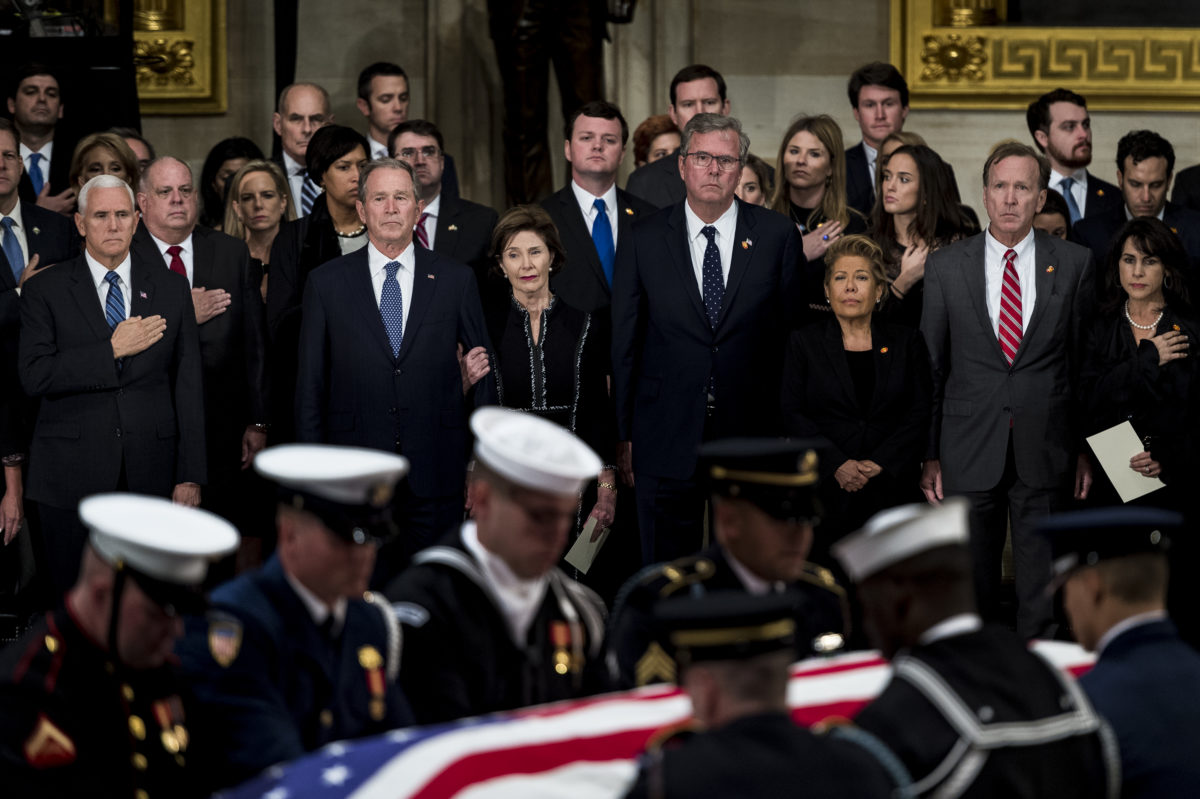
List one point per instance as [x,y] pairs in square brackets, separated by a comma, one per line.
[391,307]
[12,248]
[1064,188]
[602,236]
[711,275]
[114,305]
[35,172]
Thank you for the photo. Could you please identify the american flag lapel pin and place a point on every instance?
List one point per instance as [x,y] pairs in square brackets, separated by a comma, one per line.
[142,294]
[430,275]
[747,244]
[1050,269]
[452,227]
[629,212]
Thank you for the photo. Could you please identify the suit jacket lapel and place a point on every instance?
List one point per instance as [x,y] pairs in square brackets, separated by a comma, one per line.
[681,255]
[361,299]
[424,285]
[446,240]
[739,263]
[835,348]
[143,278]
[89,300]
[578,229]
[1044,274]
[884,357]
[976,283]
[202,258]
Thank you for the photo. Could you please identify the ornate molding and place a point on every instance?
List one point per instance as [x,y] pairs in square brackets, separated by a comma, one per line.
[179,56]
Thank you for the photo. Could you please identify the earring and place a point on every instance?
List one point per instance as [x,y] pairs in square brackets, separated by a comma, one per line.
[1167,282]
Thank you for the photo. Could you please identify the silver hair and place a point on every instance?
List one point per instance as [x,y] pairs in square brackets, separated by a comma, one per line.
[715,123]
[384,163]
[103,182]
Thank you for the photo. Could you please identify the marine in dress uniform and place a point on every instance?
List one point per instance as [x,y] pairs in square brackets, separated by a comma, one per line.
[298,654]
[490,623]
[969,710]
[91,704]
[732,650]
[765,506]
[1113,569]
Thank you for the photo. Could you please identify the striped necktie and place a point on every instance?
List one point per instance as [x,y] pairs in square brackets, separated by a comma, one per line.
[114,304]
[421,234]
[1010,308]
[308,193]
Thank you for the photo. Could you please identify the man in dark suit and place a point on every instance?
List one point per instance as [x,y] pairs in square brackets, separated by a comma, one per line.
[704,293]
[879,97]
[1187,188]
[36,105]
[229,313]
[378,365]
[969,710]
[29,236]
[1062,129]
[456,228]
[595,144]
[1113,566]
[109,345]
[1003,318]
[298,654]
[1145,163]
[695,89]
[303,109]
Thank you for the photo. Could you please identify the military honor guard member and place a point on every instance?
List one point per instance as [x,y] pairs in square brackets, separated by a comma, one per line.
[969,710]
[298,654]
[1112,567]
[490,622]
[91,706]
[733,650]
[765,504]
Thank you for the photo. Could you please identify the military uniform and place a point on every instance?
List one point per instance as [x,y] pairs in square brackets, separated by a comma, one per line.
[460,657]
[635,658]
[74,723]
[272,685]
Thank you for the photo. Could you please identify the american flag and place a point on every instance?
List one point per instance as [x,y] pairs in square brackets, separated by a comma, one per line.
[585,749]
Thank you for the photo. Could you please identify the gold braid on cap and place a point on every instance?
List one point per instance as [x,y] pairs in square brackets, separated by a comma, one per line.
[807,474]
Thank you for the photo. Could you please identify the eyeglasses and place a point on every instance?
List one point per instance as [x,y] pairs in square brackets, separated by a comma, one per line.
[409,153]
[726,163]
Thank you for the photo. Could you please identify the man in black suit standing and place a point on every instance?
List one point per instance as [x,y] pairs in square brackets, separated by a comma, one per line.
[879,97]
[378,365]
[695,89]
[592,215]
[1145,163]
[456,228]
[704,293]
[1062,129]
[109,345]
[29,236]
[229,313]
[36,106]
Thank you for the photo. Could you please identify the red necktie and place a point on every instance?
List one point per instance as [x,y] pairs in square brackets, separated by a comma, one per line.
[422,236]
[177,262]
[1010,308]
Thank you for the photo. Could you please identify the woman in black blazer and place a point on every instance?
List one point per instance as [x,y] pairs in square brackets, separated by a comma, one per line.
[864,385]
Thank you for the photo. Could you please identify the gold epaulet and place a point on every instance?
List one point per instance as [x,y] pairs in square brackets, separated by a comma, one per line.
[681,573]
[821,578]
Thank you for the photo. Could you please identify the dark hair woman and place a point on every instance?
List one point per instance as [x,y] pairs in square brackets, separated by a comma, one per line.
[224,159]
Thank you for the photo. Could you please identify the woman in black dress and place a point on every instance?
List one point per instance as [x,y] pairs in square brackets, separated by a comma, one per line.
[259,203]
[1139,368]
[552,359]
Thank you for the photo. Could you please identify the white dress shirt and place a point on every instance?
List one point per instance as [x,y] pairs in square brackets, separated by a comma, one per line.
[99,272]
[726,226]
[872,157]
[377,262]
[187,254]
[752,582]
[433,209]
[318,609]
[295,175]
[1158,216]
[44,165]
[377,150]
[519,599]
[1079,192]
[18,232]
[993,260]
[587,207]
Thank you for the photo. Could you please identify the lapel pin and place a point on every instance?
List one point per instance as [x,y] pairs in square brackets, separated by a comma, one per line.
[1175,230]
[430,276]
[38,231]
[629,211]
[1099,192]
[1049,270]
[452,227]
[1174,327]
[882,350]
[142,294]
[746,244]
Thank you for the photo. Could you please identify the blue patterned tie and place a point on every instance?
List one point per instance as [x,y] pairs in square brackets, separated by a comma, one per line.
[114,306]
[309,191]
[1064,188]
[391,307]
[713,279]
[35,172]
[602,236]
[12,248]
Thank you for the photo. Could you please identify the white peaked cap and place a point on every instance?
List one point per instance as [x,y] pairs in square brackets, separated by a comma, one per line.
[896,534]
[346,475]
[156,537]
[533,452]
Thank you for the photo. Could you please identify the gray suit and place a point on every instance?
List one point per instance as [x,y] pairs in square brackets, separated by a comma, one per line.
[1005,434]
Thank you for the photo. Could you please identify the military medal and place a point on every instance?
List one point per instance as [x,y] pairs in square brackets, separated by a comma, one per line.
[372,663]
[169,715]
[560,638]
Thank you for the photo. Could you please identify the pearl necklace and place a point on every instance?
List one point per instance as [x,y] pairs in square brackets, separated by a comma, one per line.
[1152,326]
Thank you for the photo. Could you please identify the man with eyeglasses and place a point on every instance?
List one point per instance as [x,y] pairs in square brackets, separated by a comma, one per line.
[490,622]
[229,313]
[448,225]
[704,295]
[298,654]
